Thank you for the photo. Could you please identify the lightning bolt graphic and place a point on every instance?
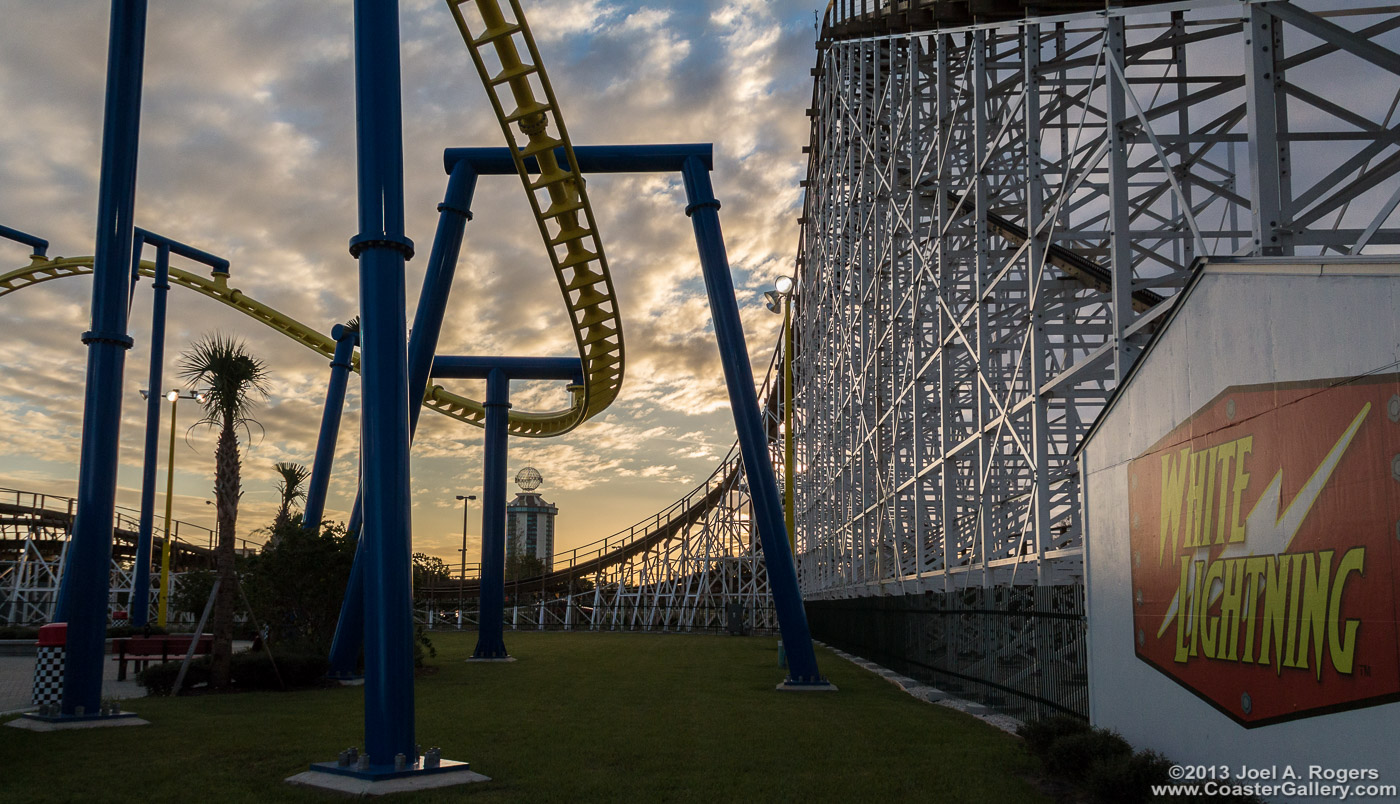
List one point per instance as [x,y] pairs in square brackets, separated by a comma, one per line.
[1266,531]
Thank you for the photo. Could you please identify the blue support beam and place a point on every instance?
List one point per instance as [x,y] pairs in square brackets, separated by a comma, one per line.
[490,641]
[140,605]
[141,582]
[345,340]
[591,158]
[39,244]
[498,372]
[453,214]
[83,594]
[382,249]
[703,209]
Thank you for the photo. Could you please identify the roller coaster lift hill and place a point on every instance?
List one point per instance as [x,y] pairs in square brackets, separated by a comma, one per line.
[396,368]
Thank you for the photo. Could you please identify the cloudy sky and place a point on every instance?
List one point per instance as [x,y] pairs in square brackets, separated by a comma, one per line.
[247,151]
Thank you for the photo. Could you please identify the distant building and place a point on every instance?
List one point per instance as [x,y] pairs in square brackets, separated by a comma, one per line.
[530,521]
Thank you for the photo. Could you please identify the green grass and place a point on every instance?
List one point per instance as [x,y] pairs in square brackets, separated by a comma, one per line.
[580,717]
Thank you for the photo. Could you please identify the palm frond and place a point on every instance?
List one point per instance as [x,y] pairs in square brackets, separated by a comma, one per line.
[229,377]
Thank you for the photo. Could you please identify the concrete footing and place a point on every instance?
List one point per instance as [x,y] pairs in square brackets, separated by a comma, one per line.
[449,774]
[33,722]
[786,687]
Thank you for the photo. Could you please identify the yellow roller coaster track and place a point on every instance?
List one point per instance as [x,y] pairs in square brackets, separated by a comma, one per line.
[511,70]
[557,198]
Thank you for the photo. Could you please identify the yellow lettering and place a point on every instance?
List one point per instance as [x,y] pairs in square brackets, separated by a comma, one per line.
[1343,651]
[1211,623]
[1209,460]
[1197,606]
[1183,617]
[1225,453]
[1230,603]
[1314,609]
[1290,654]
[1254,569]
[1196,498]
[1173,489]
[1275,600]
[1241,482]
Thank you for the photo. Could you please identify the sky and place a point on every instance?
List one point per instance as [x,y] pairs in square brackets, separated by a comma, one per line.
[248,152]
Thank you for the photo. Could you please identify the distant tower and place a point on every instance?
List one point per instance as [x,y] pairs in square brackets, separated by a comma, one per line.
[530,521]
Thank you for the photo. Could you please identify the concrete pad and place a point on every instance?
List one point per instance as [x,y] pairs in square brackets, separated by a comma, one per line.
[506,659]
[351,682]
[364,787]
[786,687]
[37,724]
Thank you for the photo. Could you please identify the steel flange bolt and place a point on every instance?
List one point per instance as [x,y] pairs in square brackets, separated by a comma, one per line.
[362,764]
[400,762]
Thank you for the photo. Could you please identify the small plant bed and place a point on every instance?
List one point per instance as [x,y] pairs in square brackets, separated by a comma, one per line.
[1097,766]
[250,670]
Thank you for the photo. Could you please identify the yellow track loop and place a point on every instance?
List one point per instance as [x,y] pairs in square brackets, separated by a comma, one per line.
[512,71]
[42,270]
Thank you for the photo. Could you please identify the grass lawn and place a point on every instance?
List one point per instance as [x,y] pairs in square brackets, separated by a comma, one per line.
[580,717]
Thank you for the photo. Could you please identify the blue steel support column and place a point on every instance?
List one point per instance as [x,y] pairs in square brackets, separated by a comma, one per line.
[453,214]
[140,606]
[345,340]
[381,248]
[703,210]
[490,643]
[83,597]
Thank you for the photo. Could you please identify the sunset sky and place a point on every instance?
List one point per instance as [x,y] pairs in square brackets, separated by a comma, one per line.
[247,151]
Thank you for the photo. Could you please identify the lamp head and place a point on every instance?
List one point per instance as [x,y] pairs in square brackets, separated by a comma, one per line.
[784,284]
[173,395]
[200,397]
[775,304]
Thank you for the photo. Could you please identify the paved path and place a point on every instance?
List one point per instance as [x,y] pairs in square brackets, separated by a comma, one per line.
[17,683]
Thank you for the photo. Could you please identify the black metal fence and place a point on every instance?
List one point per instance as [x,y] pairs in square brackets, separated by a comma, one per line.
[1020,649]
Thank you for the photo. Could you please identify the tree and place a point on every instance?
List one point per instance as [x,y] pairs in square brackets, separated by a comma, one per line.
[231,377]
[290,487]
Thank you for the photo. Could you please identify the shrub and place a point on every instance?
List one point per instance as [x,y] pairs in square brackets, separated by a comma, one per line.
[124,631]
[1071,756]
[1126,778]
[253,670]
[1041,734]
[422,647]
[159,679]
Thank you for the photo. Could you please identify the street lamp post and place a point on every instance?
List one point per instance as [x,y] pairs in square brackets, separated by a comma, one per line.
[163,601]
[462,580]
[784,290]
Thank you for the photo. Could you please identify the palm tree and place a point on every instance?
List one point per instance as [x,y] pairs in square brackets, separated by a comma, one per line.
[231,377]
[293,475]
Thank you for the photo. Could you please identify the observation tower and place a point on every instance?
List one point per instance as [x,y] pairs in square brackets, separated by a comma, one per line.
[530,521]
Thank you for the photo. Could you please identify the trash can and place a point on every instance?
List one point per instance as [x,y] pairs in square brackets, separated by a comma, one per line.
[48,667]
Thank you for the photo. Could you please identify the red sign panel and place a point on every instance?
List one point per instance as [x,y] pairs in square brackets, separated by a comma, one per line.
[1265,560]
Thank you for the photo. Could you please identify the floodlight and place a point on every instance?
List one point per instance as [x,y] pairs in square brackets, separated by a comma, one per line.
[784,284]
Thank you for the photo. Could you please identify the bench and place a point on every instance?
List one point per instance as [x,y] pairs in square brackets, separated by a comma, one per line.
[141,650]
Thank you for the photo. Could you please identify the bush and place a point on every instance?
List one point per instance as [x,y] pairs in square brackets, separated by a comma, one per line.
[1126,778]
[159,679]
[253,670]
[124,631]
[1041,734]
[1071,756]
[249,671]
